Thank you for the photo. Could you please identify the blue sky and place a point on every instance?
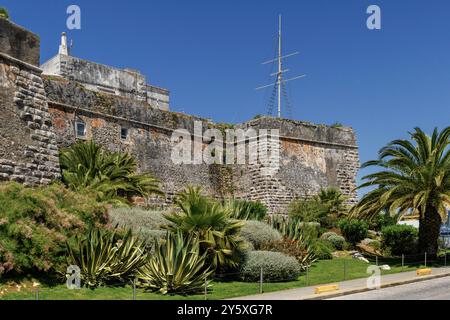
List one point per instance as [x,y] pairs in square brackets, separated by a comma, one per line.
[209,53]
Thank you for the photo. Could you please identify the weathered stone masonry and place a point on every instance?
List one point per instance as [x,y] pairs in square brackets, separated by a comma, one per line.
[38,113]
[28,150]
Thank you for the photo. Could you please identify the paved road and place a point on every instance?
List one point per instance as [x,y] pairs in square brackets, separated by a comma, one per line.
[436,289]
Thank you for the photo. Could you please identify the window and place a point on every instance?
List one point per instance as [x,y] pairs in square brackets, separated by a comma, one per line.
[81,129]
[124,133]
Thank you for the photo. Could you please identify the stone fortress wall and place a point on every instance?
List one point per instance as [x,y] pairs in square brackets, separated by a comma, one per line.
[40,112]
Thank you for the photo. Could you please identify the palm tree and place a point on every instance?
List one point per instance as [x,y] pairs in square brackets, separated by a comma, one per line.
[207,219]
[88,167]
[415,179]
[335,202]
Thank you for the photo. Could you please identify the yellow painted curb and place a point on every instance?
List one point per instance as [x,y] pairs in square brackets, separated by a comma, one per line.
[322,289]
[423,272]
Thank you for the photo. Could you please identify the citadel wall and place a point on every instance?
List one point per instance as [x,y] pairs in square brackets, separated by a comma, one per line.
[39,116]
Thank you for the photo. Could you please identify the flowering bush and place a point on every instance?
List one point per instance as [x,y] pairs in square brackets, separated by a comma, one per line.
[36,222]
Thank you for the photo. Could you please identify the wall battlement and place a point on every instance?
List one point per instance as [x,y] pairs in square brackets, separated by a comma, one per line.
[40,113]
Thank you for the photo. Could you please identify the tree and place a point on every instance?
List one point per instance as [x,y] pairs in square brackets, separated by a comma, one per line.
[334,200]
[210,222]
[415,178]
[326,208]
[112,176]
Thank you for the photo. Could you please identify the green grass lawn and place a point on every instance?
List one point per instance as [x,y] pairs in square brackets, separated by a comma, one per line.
[322,272]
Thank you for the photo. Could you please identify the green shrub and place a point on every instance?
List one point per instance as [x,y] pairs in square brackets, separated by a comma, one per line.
[276,267]
[335,203]
[322,249]
[300,250]
[376,244]
[4,13]
[145,224]
[259,233]
[176,267]
[382,220]
[104,256]
[246,210]
[294,229]
[399,239]
[328,234]
[309,210]
[137,218]
[325,208]
[36,222]
[336,240]
[353,230]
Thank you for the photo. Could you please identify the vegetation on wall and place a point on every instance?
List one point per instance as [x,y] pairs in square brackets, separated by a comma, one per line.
[4,13]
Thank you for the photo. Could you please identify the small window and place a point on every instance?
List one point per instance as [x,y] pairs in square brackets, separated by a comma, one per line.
[124,133]
[81,129]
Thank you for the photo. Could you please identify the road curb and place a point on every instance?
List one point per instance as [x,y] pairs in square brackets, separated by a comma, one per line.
[365,289]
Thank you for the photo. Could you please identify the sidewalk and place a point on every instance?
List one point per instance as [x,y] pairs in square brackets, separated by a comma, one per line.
[348,287]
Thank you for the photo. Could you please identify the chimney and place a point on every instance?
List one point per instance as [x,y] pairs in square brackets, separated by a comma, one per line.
[63,46]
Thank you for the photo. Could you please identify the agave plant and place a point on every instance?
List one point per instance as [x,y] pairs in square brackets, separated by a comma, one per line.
[102,256]
[211,223]
[111,176]
[176,267]
[130,256]
[294,230]
[246,210]
[289,227]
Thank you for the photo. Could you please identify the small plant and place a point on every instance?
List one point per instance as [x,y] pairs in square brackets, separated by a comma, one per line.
[308,210]
[337,125]
[322,249]
[295,229]
[209,221]
[353,230]
[4,13]
[336,240]
[276,267]
[246,210]
[103,256]
[300,250]
[259,233]
[137,218]
[176,267]
[335,204]
[325,208]
[399,239]
[383,219]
